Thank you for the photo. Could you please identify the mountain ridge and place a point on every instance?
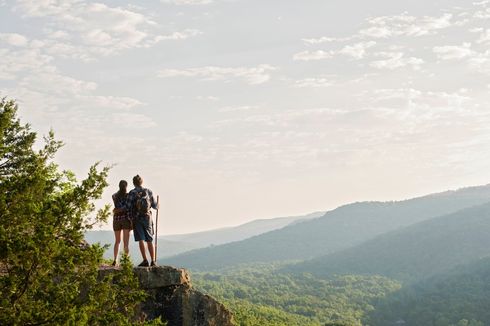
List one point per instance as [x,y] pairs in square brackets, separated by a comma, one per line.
[341,228]
[415,252]
[170,245]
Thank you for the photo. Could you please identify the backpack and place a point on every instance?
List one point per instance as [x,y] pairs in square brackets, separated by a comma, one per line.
[143,203]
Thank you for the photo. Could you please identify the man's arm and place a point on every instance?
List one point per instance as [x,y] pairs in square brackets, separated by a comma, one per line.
[154,204]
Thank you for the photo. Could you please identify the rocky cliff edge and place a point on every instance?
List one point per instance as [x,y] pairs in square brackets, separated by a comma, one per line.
[172,297]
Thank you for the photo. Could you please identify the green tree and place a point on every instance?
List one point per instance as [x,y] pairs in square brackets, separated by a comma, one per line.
[48,274]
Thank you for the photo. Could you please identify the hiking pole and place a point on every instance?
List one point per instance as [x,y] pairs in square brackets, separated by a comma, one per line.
[156,231]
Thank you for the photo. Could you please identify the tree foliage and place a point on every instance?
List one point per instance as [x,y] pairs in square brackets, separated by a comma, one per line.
[261,295]
[48,275]
[459,297]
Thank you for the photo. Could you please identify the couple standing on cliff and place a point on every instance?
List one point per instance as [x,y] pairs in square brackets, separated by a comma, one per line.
[133,212]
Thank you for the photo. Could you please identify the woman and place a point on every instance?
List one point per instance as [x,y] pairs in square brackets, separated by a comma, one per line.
[121,220]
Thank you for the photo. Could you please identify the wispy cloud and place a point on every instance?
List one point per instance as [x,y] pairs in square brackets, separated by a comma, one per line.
[358,50]
[313,55]
[238,108]
[188,2]
[133,120]
[182,35]
[21,61]
[14,39]
[207,98]
[405,25]
[86,30]
[395,60]
[326,39]
[451,52]
[251,75]
[313,83]
[484,36]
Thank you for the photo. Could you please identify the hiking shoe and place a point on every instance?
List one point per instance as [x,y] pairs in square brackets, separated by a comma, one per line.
[114,263]
[153,264]
[144,263]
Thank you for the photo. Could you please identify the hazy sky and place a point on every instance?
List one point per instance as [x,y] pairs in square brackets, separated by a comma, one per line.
[233,110]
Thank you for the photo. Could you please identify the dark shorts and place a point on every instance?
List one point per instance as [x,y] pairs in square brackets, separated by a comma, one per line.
[118,225]
[143,229]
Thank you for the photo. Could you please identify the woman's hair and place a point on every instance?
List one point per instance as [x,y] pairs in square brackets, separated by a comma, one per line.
[123,188]
[123,185]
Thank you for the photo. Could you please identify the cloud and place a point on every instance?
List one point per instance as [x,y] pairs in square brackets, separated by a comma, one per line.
[87,30]
[22,61]
[484,13]
[452,52]
[187,2]
[326,39]
[238,108]
[395,60]
[251,75]
[377,32]
[398,25]
[133,120]
[425,107]
[114,102]
[207,98]
[284,119]
[182,35]
[68,92]
[58,35]
[484,37]
[477,61]
[313,82]
[56,83]
[14,39]
[480,62]
[358,50]
[313,55]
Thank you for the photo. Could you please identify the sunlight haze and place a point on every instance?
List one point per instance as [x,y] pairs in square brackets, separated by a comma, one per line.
[235,110]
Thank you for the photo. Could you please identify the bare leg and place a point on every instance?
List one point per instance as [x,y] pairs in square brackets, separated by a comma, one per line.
[126,240]
[150,249]
[117,235]
[142,249]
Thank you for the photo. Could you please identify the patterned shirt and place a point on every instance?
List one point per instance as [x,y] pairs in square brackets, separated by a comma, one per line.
[120,204]
[131,202]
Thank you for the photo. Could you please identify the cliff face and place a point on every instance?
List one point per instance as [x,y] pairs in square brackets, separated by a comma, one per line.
[172,297]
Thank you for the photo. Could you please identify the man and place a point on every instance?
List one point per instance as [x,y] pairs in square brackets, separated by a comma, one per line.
[139,203]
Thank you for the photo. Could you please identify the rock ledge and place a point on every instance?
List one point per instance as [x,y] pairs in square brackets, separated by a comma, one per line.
[172,297]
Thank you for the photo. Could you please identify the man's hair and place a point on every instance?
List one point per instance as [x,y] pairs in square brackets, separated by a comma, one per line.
[137,180]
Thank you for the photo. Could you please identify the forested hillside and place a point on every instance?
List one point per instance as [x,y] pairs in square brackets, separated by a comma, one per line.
[415,252]
[428,273]
[260,295]
[339,229]
[461,296]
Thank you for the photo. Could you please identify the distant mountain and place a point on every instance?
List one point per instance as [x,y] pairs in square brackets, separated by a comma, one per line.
[344,227]
[444,299]
[175,244]
[241,232]
[415,252]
